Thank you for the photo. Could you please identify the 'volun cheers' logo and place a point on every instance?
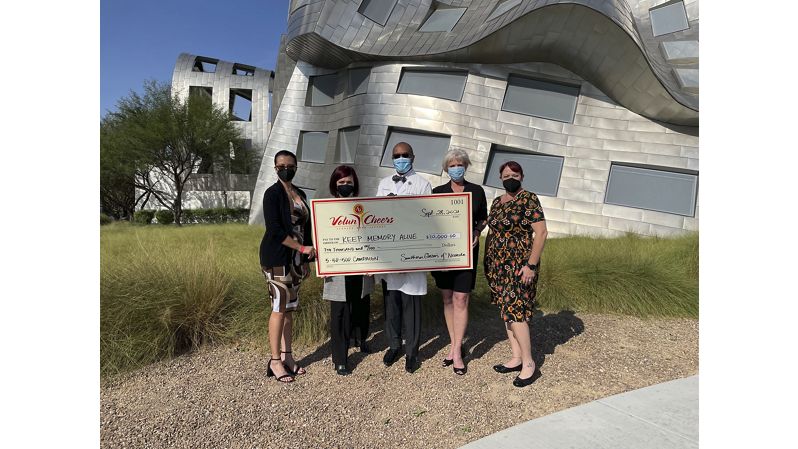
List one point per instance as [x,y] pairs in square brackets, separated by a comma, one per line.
[360,217]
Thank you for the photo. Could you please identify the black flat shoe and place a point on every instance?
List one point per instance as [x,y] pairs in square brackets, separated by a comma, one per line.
[520,383]
[460,371]
[341,370]
[500,368]
[411,364]
[391,355]
[448,362]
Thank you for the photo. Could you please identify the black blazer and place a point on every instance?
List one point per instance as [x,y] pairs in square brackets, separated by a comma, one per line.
[277,214]
[479,204]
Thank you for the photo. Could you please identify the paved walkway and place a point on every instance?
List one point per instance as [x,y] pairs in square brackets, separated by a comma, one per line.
[660,416]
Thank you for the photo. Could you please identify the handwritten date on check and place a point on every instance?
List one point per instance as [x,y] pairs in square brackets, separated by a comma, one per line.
[392,234]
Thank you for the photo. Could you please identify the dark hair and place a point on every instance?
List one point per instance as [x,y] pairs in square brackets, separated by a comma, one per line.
[514,166]
[342,171]
[285,153]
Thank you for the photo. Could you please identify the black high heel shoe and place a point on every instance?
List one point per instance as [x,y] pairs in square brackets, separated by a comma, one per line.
[297,369]
[520,383]
[450,362]
[460,371]
[269,373]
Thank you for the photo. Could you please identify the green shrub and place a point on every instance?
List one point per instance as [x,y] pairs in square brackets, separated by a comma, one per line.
[105,219]
[143,217]
[165,290]
[188,216]
[165,217]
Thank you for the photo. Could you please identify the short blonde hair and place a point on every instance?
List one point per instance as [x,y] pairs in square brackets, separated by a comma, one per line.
[456,154]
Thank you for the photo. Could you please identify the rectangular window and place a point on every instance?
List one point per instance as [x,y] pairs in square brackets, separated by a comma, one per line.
[668,18]
[652,188]
[357,81]
[312,146]
[448,85]
[502,8]
[541,171]
[243,70]
[203,64]
[321,90]
[442,19]
[241,105]
[429,149]
[377,10]
[538,98]
[347,144]
[200,91]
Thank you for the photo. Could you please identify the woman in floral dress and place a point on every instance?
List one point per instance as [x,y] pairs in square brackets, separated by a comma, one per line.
[512,257]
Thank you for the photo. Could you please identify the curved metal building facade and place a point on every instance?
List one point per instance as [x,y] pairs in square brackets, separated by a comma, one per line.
[598,100]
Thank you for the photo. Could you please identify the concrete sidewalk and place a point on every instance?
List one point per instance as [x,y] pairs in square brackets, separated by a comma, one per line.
[660,416]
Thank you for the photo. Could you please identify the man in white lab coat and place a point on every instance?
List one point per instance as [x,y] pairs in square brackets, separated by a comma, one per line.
[404,290]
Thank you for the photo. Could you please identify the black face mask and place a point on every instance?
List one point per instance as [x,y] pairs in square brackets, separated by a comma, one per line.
[344,190]
[511,185]
[285,174]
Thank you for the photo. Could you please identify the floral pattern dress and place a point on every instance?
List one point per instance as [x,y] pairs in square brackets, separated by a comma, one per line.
[508,246]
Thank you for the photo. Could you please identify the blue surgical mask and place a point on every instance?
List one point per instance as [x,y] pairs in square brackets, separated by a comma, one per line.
[456,173]
[402,165]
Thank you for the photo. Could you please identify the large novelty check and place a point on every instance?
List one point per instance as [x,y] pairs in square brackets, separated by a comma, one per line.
[392,234]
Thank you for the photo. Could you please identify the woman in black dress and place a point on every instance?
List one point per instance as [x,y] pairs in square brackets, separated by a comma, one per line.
[456,285]
[285,251]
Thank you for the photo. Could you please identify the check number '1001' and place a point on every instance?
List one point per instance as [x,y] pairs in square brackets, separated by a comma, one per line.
[443,236]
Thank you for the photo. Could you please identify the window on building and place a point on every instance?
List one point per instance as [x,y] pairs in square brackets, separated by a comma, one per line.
[429,149]
[241,105]
[200,91]
[321,90]
[502,8]
[442,19]
[538,98]
[347,144]
[203,64]
[243,70]
[312,146]
[357,81]
[653,188]
[668,17]
[377,10]
[440,84]
[541,171]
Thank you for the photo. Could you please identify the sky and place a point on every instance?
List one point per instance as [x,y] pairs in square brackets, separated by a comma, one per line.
[141,40]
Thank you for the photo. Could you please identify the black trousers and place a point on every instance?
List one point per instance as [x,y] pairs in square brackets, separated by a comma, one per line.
[347,315]
[403,320]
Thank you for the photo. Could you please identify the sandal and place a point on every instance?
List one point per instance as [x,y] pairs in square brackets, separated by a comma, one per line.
[297,369]
[285,378]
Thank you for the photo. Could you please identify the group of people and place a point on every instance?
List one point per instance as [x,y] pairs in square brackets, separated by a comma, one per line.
[517,234]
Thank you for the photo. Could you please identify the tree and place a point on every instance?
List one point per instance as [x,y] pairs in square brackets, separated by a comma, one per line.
[162,140]
[117,192]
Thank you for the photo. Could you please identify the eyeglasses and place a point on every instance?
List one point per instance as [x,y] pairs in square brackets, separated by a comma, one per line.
[285,167]
[407,155]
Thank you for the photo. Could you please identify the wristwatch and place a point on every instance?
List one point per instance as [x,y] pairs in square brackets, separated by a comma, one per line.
[532,266]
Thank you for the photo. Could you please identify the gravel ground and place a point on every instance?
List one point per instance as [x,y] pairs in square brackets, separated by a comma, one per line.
[221,398]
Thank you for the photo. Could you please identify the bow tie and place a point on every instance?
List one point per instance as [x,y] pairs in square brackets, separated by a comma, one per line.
[397,178]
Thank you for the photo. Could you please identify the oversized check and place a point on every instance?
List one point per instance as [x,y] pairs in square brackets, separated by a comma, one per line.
[391,234]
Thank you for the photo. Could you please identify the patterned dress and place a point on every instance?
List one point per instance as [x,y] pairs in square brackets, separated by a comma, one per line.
[284,281]
[508,246]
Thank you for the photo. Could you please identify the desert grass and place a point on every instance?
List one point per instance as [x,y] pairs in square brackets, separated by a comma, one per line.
[167,290]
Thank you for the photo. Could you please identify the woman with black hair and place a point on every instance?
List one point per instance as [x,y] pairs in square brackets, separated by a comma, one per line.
[285,251]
